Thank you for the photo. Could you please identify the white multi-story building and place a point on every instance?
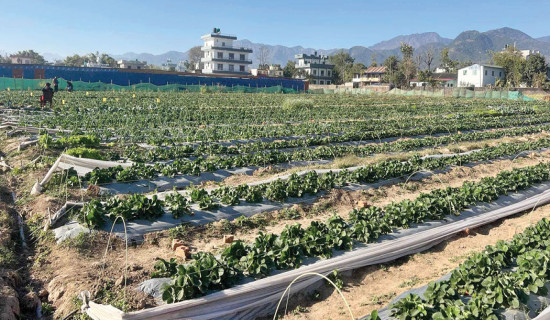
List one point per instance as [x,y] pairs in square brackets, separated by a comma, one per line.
[221,57]
[316,66]
[479,75]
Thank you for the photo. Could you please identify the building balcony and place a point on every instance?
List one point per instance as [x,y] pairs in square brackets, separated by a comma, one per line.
[235,61]
[321,77]
[230,72]
[314,65]
[228,48]
[367,79]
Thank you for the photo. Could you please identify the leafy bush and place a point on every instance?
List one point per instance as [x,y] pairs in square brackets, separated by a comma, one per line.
[45,141]
[297,103]
[83,152]
[88,141]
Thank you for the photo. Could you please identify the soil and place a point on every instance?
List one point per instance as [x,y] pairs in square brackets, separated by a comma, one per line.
[65,270]
[342,202]
[371,288]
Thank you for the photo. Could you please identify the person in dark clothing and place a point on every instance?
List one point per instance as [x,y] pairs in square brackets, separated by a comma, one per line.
[55,84]
[47,95]
[69,86]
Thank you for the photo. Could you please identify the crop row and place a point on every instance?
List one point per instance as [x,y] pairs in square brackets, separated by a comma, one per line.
[134,130]
[269,252]
[138,154]
[161,124]
[199,165]
[311,183]
[254,109]
[501,277]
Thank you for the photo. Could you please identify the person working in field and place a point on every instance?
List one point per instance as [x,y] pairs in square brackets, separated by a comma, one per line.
[47,95]
[55,84]
[69,86]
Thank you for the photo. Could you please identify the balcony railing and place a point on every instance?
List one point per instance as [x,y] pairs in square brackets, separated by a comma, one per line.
[234,48]
[367,79]
[227,60]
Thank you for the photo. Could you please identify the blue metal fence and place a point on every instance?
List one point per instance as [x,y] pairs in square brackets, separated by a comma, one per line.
[119,77]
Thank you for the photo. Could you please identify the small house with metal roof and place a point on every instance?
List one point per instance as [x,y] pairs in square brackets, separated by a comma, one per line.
[369,76]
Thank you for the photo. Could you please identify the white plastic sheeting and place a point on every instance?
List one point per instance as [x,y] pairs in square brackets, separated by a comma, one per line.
[544,315]
[81,165]
[137,228]
[258,298]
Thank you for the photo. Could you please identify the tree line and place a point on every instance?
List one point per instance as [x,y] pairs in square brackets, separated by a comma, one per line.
[399,70]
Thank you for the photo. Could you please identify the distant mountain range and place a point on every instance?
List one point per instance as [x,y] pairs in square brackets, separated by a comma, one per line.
[416,40]
[467,46]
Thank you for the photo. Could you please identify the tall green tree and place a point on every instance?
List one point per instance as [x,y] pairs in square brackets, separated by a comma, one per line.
[392,65]
[343,67]
[407,65]
[74,60]
[36,58]
[373,60]
[194,59]
[513,63]
[535,64]
[289,71]
[108,60]
[446,62]
[407,50]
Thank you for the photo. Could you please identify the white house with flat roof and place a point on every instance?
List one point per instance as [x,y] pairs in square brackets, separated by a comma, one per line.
[20,59]
[479,75]
[131,64]
[317,66]
[221,57]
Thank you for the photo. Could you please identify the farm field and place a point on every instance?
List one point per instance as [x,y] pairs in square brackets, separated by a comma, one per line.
[226,198]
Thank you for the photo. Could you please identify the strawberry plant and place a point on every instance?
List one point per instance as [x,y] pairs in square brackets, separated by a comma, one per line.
[177,204]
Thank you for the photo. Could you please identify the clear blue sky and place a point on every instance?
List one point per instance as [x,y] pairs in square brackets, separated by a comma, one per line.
[116,26]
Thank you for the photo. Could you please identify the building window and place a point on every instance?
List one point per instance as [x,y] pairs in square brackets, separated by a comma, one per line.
[321,82]
[485,72]
[328,73]
[241,68]
[220,55]
[328,81]
[223,44]
[464,72]
[242,57]
[231,56]
[500,74]
[220,66]
[314,72]
[231,67]
[493,73]
[129,67]
[314,81]
[322,73]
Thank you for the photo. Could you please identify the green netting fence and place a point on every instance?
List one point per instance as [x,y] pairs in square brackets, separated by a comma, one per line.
[455,92]
[37,84]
